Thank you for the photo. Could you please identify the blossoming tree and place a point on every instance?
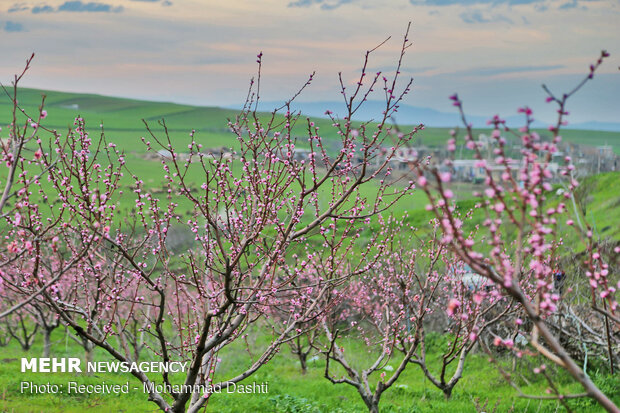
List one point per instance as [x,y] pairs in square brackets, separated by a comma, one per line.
[249,214]
[523,237]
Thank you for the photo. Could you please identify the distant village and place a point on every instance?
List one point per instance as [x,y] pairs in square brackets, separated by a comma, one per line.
[588,160]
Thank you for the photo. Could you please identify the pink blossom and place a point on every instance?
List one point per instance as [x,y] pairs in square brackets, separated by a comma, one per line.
[453,304]
[12,247]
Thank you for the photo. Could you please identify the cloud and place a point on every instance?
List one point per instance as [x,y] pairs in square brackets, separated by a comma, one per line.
[217,60]
[477,17]
[409,70]
[304,3]
[17,7]
[448,2]
[334,5]
[42,9]
[13,27]
[94,7]
[325,4]
[471,2]
[474,16]
[76,6]
[492,71]
[518,2]
[164,3]
[569,5]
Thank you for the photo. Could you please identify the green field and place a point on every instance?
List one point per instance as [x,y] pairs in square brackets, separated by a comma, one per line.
[123,125]
[288,390]
[123,120]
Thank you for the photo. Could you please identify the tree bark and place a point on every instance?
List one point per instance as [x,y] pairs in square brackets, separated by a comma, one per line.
[47,342]
[372,404]
[303,362]
[88,353]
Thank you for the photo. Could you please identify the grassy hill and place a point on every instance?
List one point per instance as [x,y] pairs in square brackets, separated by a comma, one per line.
[123,120]
[124,126]
[289,391]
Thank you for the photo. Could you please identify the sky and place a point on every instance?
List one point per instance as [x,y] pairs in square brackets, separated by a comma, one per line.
[494,53]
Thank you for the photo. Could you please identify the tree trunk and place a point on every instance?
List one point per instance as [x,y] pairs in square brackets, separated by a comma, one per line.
[303,362]
[47,342]
[372,403]
[204,372]
[88,353]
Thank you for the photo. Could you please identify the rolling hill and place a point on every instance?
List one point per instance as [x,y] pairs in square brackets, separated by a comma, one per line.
[124,126]
[123,119]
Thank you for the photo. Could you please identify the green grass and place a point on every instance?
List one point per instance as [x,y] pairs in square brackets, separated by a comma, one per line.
[122,119]
[289,391]
[123,126]
[603,204]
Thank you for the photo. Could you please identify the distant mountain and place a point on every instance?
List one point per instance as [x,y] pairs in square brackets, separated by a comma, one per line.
[406,115]
[594,125]
[412,115]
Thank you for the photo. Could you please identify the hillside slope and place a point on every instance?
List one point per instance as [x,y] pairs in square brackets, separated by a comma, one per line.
[123,120]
